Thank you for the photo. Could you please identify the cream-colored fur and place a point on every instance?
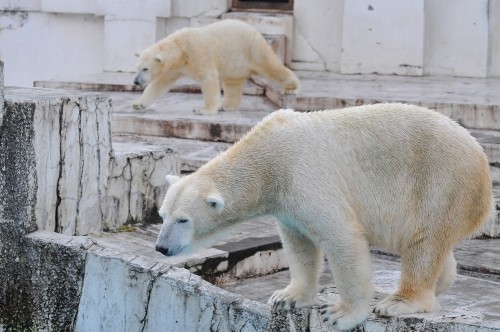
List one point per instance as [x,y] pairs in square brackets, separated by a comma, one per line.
[397,176]
[227,52]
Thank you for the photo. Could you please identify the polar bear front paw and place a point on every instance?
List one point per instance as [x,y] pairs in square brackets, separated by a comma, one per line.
[205,112]
[291,91]
[137,105]
[290,298]
[338,316]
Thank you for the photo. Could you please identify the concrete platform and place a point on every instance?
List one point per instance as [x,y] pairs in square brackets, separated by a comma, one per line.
[231,265]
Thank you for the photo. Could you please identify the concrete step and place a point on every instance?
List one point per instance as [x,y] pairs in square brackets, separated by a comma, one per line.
[192,153]
[172,116]
[472,102]
[124,82]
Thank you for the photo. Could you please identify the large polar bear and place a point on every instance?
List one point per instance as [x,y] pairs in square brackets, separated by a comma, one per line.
[228,51]
[397,176]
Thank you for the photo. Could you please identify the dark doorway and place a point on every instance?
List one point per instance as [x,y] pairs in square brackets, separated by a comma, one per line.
[271,5]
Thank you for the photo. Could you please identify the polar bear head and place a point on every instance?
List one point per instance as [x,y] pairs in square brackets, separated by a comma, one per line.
[191,213]
[157,61]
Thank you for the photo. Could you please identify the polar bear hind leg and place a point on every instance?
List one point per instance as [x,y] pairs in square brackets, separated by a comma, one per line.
[421,267]
[233,90]
[305,263]
[272,68]
[448,274]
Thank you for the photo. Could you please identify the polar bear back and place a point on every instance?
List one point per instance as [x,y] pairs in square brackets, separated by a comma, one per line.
[399,168]
[233,46]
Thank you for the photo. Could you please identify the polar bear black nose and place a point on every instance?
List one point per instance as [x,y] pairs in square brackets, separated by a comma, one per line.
[162,250]
[136,81]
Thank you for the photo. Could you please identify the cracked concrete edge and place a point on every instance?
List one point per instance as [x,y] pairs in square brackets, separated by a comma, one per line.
[114,290]
[127,292]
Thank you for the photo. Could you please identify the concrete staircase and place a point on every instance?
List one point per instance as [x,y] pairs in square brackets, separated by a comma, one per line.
[170,124]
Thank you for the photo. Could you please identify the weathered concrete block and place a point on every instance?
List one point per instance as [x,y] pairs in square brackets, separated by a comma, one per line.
[181,301]
[70,140]
[17,204]
[115,292]
[137,186]
[41,281]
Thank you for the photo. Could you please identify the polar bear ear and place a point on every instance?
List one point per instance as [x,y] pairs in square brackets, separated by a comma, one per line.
[171,179]
[159,58]
[216,201]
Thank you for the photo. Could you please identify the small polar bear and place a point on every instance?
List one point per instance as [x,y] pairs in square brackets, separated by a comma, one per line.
[397,176]
[226,52]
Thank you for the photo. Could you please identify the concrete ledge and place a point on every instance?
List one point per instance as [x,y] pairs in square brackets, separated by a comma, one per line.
[94,288]
[130,293]
[123,82]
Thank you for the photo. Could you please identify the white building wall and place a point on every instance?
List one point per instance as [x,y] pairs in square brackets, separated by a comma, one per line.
[383,36]
[317,34]
[494,39]
[42,46]
[457,37]
[52,39]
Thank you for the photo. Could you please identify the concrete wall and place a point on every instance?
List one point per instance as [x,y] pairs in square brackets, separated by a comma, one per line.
[387,37]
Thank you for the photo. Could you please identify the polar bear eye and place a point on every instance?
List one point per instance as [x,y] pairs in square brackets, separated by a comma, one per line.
[182,221]
[144,69]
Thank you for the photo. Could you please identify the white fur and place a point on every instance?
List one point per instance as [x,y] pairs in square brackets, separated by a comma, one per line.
[401,177]
[224,53]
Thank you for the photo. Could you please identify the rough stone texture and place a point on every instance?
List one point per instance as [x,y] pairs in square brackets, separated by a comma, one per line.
[71,142]
[1,93]
[136,185]
[17,205]
[42,276]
